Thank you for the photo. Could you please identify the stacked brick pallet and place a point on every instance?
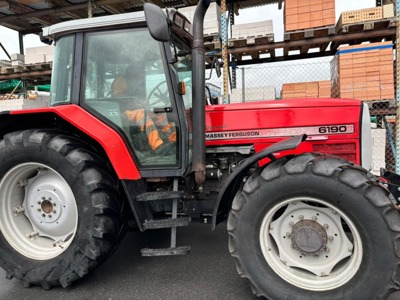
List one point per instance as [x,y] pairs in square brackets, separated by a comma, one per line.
[305,14]
[324,89]
[365,15]
[364,72]
[313,89]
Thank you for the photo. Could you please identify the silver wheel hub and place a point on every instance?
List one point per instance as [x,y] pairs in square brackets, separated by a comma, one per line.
[38,211]
[304,242]
[47,204]
[309,237]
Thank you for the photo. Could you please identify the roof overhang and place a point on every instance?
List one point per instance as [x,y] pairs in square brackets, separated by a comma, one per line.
[30,16]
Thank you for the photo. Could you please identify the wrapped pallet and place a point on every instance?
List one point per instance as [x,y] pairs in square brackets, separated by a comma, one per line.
[364,72]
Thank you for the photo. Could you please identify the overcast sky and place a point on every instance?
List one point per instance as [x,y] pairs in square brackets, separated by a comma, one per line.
[9,38]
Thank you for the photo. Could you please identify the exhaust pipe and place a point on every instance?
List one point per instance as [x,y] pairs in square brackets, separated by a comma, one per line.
[198,94]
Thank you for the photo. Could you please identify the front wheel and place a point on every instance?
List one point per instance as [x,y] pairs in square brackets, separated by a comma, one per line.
[59,208]
[315,227]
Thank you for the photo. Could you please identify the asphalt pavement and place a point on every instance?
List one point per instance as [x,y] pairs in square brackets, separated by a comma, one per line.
[208,272]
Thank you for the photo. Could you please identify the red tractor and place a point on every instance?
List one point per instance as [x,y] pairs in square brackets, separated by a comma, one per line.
[128,139]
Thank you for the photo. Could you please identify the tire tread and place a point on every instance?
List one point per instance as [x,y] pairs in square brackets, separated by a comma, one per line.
[352,176]
[102,187]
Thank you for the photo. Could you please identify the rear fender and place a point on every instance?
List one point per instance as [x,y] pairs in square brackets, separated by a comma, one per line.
[233,183]
[77,121]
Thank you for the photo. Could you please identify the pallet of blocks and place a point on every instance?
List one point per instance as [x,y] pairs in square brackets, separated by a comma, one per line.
[364,72]
[212,19]
[300,15]
[256,33]
[368,18]
[312,89]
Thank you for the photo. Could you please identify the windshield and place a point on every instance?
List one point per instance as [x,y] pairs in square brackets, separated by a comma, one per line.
[183,67]
[61,78]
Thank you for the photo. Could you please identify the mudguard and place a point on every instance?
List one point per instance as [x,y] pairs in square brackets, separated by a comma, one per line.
[233,183]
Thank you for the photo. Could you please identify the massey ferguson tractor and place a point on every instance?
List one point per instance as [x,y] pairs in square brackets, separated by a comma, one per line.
[128,138]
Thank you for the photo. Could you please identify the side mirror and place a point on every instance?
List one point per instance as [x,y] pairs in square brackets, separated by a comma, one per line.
[45,39]
[218,69]
[215,64]
[157,22]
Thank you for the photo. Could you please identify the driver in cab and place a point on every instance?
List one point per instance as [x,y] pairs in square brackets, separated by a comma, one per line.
[159,133]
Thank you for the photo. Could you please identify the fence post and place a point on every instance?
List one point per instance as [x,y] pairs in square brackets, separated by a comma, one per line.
[243,85]
[225,58]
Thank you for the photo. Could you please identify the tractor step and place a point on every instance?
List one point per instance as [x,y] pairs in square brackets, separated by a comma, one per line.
[154,196]
[166,223]
[166,251]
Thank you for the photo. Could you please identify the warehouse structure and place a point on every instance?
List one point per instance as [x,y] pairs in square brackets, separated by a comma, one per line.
[360,41]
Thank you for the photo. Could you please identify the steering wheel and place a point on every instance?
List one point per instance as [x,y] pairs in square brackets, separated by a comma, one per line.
[158,96]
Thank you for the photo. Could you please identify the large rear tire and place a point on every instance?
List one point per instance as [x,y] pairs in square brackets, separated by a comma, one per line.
[60,214]
[315,227]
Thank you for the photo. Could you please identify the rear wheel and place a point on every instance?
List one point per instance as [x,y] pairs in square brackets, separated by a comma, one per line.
[315,227]
[59,208]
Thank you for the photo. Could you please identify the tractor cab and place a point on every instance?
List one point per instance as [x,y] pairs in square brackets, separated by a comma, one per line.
[129,80]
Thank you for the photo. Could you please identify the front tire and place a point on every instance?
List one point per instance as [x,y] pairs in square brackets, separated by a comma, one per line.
[60,215]
[315,227]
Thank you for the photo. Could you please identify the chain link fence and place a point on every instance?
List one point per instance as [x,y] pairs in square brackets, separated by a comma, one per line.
[17,101]
[369,78]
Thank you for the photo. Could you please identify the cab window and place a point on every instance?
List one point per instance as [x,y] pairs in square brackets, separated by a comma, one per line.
[125,84]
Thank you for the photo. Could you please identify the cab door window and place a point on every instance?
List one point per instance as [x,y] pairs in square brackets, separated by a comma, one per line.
[125,84]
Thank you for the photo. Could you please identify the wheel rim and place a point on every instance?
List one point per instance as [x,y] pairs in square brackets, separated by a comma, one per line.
[304,242]
[38,211]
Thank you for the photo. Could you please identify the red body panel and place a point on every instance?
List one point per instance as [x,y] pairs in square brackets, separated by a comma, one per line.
[109,139]
[264,123]
[259,124]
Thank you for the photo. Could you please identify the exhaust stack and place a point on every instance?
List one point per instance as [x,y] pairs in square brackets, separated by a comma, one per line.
[198,94]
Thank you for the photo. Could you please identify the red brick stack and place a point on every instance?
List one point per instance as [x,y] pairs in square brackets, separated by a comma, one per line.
[364,72]
[313,89]
[325,88]
[305,14]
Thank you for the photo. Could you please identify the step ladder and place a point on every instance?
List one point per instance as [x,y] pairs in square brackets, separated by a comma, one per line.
[172,222]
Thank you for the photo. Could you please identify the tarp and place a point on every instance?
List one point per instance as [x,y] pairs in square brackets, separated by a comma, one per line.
[8,85]
[42,88]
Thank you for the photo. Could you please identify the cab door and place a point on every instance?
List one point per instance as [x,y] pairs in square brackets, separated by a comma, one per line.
[126,84]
